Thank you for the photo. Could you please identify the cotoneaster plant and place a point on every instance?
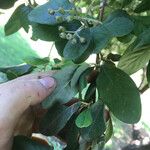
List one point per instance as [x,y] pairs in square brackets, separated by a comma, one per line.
[87,95]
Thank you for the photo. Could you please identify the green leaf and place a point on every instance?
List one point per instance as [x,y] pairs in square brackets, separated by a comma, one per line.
[6,4]
[44,32]
[16,71]
[60,45]
[139,27]
[115,14]
[97,128]
[56,118]
[74,51]
[25,143]
[34,61]
[133,61]
[83,78]
[143,41]
[118,91]
[41,13]
[137,55]
[126,3]
[63,92]
[119,26]
[148,73]
[72,134]
[113,57]
[145,20]
[119,23]
[18,20]
[109,131]
[84,119]
[72,26]
[90,93]
[101,36]
[51,33]
[77,74]
[143,6]
[84,56]
[125,39]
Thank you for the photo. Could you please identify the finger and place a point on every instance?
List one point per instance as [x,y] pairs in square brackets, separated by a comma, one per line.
[18,95]
[36,75]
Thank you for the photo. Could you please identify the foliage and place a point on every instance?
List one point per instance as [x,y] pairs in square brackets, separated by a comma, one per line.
[87,95]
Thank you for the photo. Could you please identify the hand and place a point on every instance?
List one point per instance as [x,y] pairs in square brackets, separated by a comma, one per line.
[16,99]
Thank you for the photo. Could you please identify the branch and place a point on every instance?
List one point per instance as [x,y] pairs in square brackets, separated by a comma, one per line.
[146,87]
[102,9]
[142,78]
[101,16]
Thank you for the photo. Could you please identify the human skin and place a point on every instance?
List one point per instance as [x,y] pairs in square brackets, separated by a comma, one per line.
[17,97]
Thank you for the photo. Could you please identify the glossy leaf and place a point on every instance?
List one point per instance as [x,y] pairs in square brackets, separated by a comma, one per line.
[97,128]
[25,143]
[56,118]
[18,20]
[63,92]
[41,13]
[118,91]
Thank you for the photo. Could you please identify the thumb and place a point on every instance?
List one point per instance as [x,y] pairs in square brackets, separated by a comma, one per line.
[17,95]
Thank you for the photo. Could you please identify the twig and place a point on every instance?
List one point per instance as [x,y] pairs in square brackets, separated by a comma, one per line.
[50,50]
[146,87]
[45,66]
[102,9]
[30,3]
[88,19]
[101,16]
[143,78]
[97,59]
